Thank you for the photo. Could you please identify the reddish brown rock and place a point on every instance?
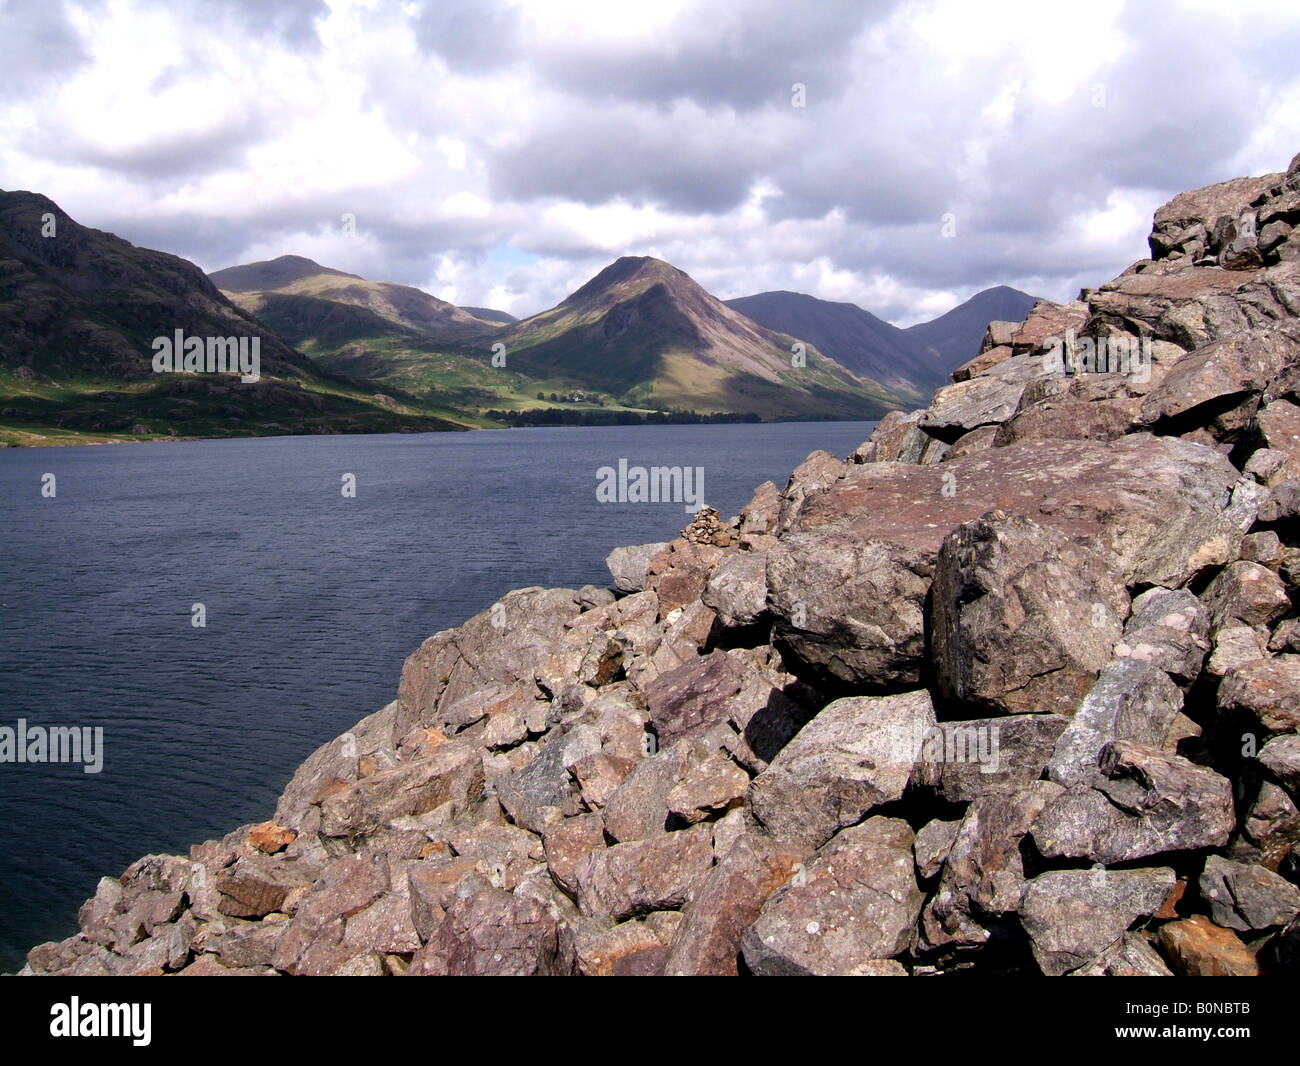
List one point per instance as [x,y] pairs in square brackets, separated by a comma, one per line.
[452,774]
[694,697]
[569,846]
[1267,690]
[258,884]
[1023,618]
[600,775]
[848,582]
[270,837]
[728,902]
[647,875]
[1198,948]
[491,933]
[709,788]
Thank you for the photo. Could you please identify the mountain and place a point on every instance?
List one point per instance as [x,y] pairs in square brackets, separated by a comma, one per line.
[854,338]
[79,311]
[646,333]
[291,275]
[912,362]
[954,338]
[398,336]
[488,314]
[271,274]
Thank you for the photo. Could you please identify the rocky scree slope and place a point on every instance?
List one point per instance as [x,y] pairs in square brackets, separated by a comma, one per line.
[1015,688]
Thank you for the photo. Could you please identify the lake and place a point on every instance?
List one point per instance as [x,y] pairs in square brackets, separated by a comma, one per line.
[310,601]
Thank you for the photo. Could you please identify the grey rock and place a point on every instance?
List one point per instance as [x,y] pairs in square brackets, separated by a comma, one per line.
[737,589]
[964,760]
[1143,802]
[933,843]
[1281,757]
[1168,628]
[1131,700]
[983,875]
[857,901]
[544,789]
[629,566]
[1245,897]
[1024,618]
[1073,916]
[858,753]
[1131,956]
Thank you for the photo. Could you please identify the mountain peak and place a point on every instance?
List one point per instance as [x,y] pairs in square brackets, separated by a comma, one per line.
[628,270]
[272,273]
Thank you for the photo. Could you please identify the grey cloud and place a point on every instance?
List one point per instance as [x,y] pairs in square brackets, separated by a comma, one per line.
[290,21]
[683,160]
[38,45]
[472,36]
[166,157]
[742,56]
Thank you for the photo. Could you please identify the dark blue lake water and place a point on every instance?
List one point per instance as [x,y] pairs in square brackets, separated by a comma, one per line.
[312,602]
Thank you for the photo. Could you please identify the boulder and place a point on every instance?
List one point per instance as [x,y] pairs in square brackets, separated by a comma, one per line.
[629,567]
[638,809]
[1131,956]
[1073,916]
[1281,757]
[848,580]
[1266,691]
[858,753]
[1087,407]
[694,697]
[737,589]
[1170,629]
[569,844]
[933,843]
[255,885]
[989,756]
[1247,898]
[1215,376]
[728,901]
[452,774]
[858,900]
[491,933]
[659,873]
[1245,594]
[1024,618]
[1143,802]
[708,789]
[1197,947]
[1131,700]
[983,875]
[983,400]
[544,789]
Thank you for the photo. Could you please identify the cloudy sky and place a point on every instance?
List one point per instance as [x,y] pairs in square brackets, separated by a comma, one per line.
[500,153]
